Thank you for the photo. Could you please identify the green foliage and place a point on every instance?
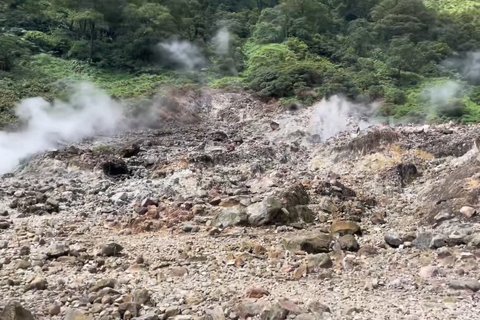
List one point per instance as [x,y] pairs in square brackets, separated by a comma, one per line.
[294,50]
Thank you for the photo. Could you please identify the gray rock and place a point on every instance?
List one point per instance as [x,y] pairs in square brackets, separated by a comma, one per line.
[468,212]
[467,284]
[4,224]
[23,264]
[320,260]
[15,311]
[57,250]
[438,241]
[473,241]
[265,212]
[119,197]
[172,312]
[348,243]
[38,283]
[311,243]
[215,314]
[104,283]
[188,227]
[423,240]
[54,309]
[141,296]
[76,315]
[274,312]
[230,216]
[111,249]
[443,216]
[393,239]
[247,308]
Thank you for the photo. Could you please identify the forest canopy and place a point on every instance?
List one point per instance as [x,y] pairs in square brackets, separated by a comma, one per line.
[293,50]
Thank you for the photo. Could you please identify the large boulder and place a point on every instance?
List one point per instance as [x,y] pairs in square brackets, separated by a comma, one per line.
[284,207]
[230,216]
[15,311]
[316,242]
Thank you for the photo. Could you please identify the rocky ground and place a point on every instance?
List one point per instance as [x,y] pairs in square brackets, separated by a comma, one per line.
[233,209]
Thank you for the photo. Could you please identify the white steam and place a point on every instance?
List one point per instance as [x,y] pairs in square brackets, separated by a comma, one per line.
[336,114]
[221,41]
[89,112]
[184,53]
[468,66]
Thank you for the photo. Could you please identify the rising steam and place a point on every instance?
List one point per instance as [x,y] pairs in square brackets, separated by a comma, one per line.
[336,114]
[222,41]
[468,66]
[88,112]
[186,54]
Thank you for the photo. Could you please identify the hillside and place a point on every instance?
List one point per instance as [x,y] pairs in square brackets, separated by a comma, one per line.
[242,213]
[293,51]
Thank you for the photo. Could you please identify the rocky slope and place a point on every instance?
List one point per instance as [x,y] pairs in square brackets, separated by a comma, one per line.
[233,209]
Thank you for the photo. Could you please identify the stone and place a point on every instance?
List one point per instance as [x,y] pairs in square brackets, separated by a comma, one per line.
[39,283]
[423,240]
[300,272]
[230,216]
[103,283]
[119,197]
[23,264]
[57,250]
[147,202]
[15,311]
[438,241]
[172,312]
[178,271]
[111,249]
[320,260]
[24,251]
[129,307]
[474,241]
[257,292]
[428,272]
[248,308]
[215,314]
[274,312]
[341,227]
[190,228]
[74,314]
[313,243]
[443,216]
[317,307]
[468,212]
[54,309]
[348,243]
[393,239]
[265,212]
[148,316]
[141,296]
[465,284]
[4,224]
[289,306]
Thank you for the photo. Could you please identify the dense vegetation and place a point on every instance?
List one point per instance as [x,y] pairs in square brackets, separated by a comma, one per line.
[394,51]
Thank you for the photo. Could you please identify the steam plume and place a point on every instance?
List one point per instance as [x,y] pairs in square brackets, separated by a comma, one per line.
[468,66]
[336,114]
[222,41]
[184,53]
[88,112]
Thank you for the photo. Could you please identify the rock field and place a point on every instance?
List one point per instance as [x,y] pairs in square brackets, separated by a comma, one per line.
[229,208]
